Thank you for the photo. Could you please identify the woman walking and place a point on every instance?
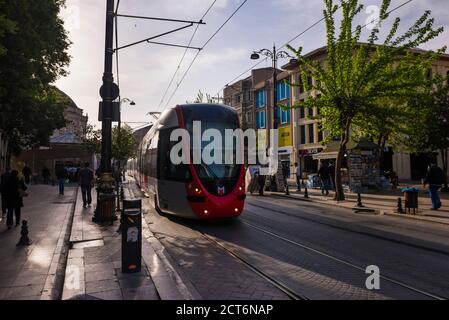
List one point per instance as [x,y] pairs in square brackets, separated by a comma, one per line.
[15,191]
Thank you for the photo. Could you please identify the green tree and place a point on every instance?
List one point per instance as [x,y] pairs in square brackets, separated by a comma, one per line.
[34,44]
[124,145]
[356,75]
[429,130]
[92,139]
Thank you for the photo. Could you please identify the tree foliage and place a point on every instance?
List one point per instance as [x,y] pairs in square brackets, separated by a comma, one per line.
[356,76]
[33,54]
[124,145]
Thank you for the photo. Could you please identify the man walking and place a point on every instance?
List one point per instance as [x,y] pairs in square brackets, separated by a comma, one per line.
[45,174]
[3,179]
[298,176]
[26,171]
[434,178]
[61,175]
[15,191]
[86,178]
[324,175]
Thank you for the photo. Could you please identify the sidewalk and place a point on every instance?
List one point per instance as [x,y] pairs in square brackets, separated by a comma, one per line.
[35,272]
[94,263]
[381,202]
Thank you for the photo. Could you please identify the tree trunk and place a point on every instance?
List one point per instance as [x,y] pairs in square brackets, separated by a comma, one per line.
[444,158]
[339,194]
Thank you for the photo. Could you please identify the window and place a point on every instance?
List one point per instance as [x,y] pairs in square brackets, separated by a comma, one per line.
[261,98]
[310,112]
[302,110]
[311,134]
[320,134]
[283,90]
[301,86]
[248,117]
[284,115]
[260,120]
[302,130]
[309,80]
[246,96]
[237,98]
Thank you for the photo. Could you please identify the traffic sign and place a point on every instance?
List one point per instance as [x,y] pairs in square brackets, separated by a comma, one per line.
[115,92]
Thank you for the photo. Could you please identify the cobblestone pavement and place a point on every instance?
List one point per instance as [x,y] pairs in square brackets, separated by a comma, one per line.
[94,263]
[35,272]
[411,252]
[214,274]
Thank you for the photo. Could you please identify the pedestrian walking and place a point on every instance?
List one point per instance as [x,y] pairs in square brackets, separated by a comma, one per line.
[26,171]
[332,174]
[15,191]
[298,173]
[285,174]
[435,179]
[261,182]
[61,175]
[3,179]
[324,175]
[86,180]
[45,174]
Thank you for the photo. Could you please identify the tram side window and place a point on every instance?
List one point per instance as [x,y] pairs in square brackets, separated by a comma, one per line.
[166,169]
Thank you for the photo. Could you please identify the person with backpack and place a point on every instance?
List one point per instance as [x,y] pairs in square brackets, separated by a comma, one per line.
[435,179]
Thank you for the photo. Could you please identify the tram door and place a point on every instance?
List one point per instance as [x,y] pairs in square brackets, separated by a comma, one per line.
[172,178]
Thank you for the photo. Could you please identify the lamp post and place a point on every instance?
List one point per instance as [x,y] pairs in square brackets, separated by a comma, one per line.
[274,55]
[109,92]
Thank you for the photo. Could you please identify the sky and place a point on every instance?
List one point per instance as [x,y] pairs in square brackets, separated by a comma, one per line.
[145,70]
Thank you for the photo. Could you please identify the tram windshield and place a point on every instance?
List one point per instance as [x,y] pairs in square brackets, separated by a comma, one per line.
[218,178]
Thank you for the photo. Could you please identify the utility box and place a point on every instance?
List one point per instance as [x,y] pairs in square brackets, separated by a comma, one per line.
[132,236]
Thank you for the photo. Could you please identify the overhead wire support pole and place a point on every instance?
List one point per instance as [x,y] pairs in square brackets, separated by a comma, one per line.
[159,19]
[174,45]
[153,37]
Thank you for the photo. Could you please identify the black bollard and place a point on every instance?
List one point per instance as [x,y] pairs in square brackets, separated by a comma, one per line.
[400,206]
[359,201]
[24,240]
[287,192]
[306,193]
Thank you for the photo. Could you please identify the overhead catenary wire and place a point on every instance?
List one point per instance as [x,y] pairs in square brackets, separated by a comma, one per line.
[184,54]
[197,54]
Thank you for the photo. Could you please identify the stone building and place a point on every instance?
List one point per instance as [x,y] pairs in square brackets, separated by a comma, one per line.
[65,148]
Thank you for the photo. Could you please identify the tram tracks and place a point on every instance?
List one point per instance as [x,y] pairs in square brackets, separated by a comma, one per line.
[342,261]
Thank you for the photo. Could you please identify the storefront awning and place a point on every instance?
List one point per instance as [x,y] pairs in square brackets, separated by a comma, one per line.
[325,155]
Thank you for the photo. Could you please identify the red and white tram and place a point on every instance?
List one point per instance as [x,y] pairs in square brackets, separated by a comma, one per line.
[198,191]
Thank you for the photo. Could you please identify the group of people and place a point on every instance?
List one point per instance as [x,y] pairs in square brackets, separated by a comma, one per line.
[13,189]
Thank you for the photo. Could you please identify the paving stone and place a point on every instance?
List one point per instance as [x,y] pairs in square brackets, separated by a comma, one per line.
[108,295]
[102,285]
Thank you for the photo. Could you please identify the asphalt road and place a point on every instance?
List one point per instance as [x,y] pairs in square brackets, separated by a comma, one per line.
[312,250]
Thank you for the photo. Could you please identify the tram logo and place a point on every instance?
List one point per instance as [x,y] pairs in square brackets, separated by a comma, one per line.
[221,191]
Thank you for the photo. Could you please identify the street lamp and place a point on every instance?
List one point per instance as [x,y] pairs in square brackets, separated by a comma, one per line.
[274,55]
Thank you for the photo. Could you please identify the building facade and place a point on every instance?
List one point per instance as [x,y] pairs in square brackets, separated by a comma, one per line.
[300,135]
[65,148]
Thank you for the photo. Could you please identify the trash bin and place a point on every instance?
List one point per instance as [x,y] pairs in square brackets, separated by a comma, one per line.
[132,236]
[410,198]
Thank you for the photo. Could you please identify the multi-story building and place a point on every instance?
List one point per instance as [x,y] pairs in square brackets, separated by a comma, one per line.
[300,137]
[308,136]
[252,98]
